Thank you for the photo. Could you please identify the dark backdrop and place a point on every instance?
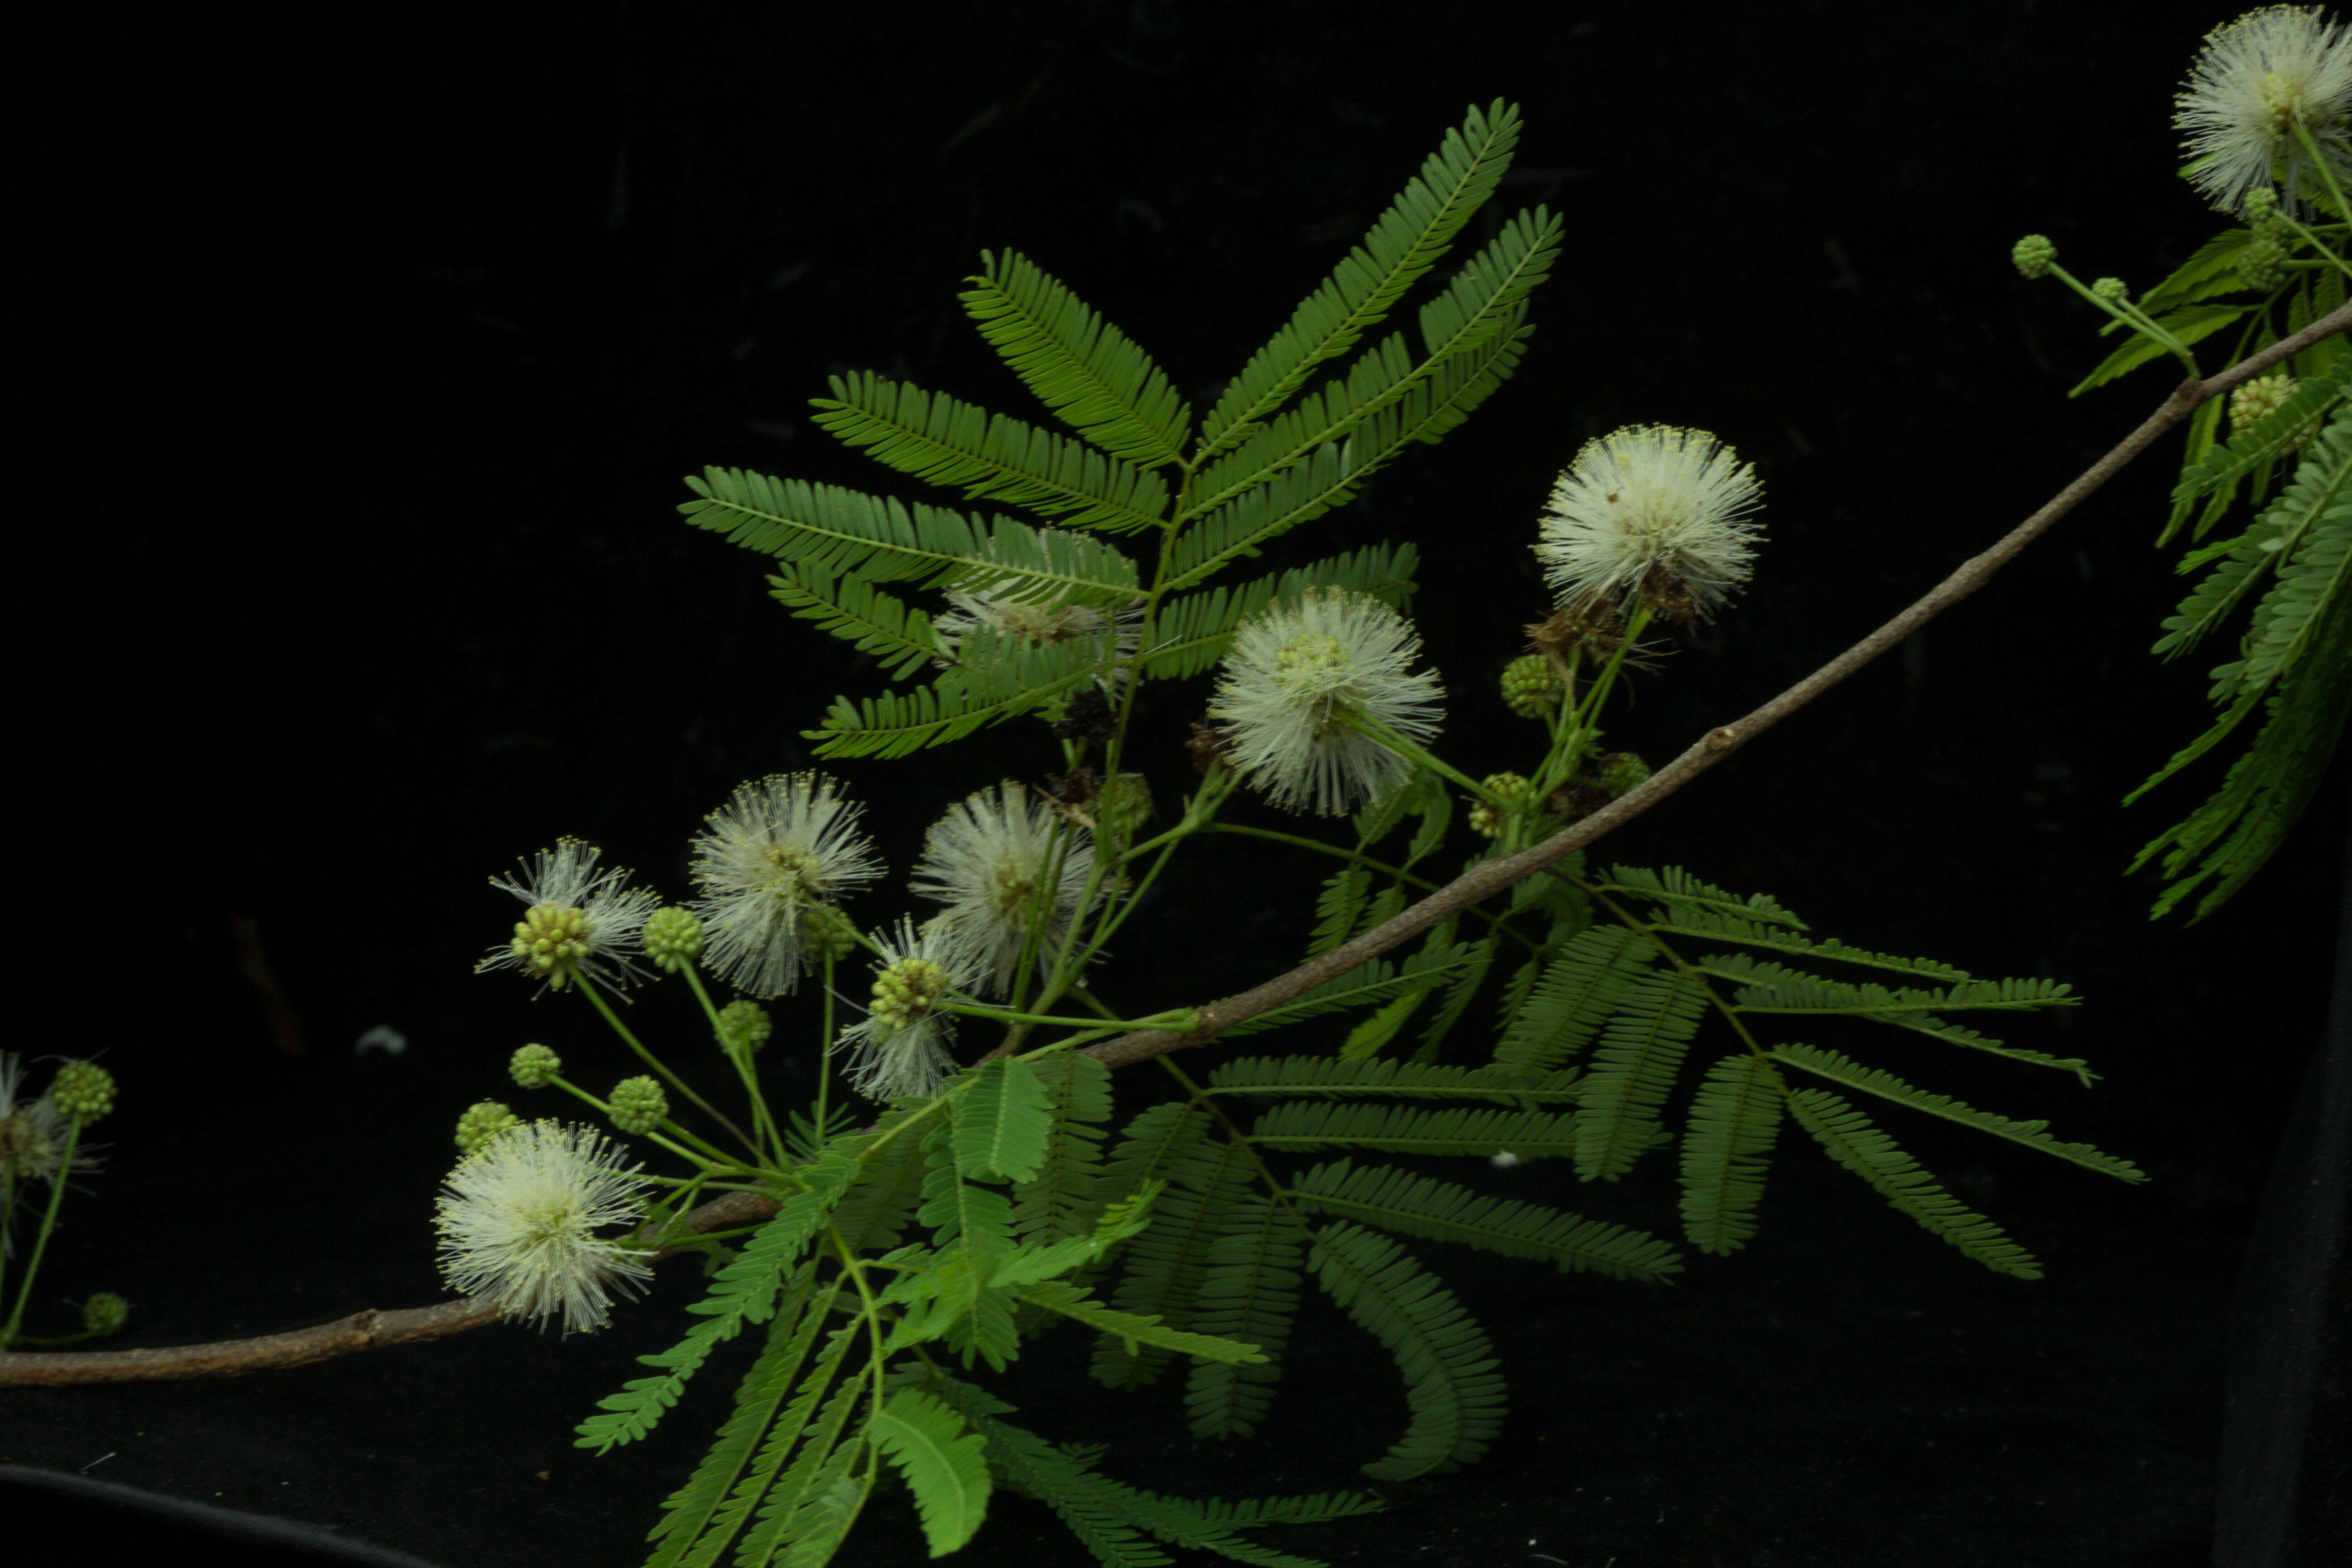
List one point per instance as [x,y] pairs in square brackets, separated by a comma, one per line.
[371,351]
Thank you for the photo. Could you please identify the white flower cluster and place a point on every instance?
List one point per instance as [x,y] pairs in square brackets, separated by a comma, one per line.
[2257,89]
[518,1221]
[582,922]
[989,860]
[782,846]
[1648,508]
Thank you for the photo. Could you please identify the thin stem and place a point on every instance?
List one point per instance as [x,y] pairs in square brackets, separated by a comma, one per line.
[41,1242]
[1379,868]
[2327,177]
[1366,725]
[2131,316]
[676,1082]
[767,1144]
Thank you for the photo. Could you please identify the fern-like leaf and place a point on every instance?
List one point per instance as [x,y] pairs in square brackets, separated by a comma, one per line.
[1001,678]
[1853,1141]
[942,1461]
[1368,983]
[1004,1122]
[1842,1070]
[1163,1268]
[1420,1205]
[1307,1075]
[2187,324]
[859,614]
[1726,1148]
[1402,1130]
[1084,369]
[1250,1293]
[1452,1389]
[2226,462]
[993,457]
[1633,1067]
[1406,242]
[1580,987]
[1059,1201]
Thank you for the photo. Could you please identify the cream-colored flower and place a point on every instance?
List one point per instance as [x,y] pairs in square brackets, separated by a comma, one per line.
[1296,679]
[989,860]
[518,1221]
[902,1045]
[780,848]
[582,922]
[1651,513]
[2254,84]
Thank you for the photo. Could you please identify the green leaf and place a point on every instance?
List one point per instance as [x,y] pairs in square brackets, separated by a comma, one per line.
[1327,1076]
[1060,1296]
[1855,1142]
[2188,325]
[1407,241]
[1580,988]
[859,614]
[1633,1067]
[1003,1123]
[1404,1129]
[2246,450]
[1080,366]
[1002,678]
[1372,981]
[1249,1293]
[937,438]
[1058,1202]
[942,1463]
[1845,1070]
[1418,1205]
[1452,1389]
[1726,1150]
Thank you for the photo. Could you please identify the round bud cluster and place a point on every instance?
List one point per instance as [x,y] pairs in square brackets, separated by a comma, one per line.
[1530,685]
[483,1122]
[826,936]
[83,1090]
[906,991]
[549,940]
[743,1028]
[2111,289]
[2262,395]
[1489,820]
[672,938]
[638,1105]
[2034,255]
[2262,265]
[535,1066]
[1620,772]
[1122,805]
[2262,211]
[104,1314]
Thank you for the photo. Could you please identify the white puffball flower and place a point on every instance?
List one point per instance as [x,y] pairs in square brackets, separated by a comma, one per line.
[900,1046]
[518,1219]
[581,920]
[1294,678]
[780,846]
[2254,81]
[1649,509]
[987,860]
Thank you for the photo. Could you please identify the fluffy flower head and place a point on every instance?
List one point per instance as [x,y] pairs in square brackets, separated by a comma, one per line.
[2254,83]
[900,1046]
[1296,679]
[33,1134]
[780,848]
[1651,512]
[518,1219]
[988,859]
[582,922]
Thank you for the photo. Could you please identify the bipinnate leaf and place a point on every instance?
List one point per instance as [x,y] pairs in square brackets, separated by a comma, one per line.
[943,1462]
[1003,1123]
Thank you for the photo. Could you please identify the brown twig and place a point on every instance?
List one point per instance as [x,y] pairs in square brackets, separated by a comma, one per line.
[371,1329]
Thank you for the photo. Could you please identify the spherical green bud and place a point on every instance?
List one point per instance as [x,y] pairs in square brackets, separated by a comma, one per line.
[535,1066]
[1530,685]
[83,1090]
[1489,820]
[484,1120]
[104,1314]
[1620,772]
[2262,266]
[1122,805]
[2261,206]
[744,1026]
[638,1105]
[826,934]
[906,991]
[2034,255]
[550,941]
[2255,398]
[672,938]
[2111,289]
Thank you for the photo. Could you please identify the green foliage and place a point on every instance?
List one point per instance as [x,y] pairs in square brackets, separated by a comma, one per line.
[1417,1206]
[1734,1118]
[1853,1141]
[1003,1124]
[941,1461]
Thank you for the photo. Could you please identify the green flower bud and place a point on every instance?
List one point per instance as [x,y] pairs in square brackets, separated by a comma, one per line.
[483,1122]
[1620,772]
[638,1105]
[2262,266]
[104,1314]
[2034,255]
[672,938]
[535,1066]
[1487,820]
[550,941]
[2255,398]
[826,934]
[743,1028]
[906,991]
[83,1090]
[2112,290]
[1122,805]
[1530,685]
[2260,208]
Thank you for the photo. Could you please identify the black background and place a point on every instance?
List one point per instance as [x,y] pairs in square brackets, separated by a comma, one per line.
[368,356]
